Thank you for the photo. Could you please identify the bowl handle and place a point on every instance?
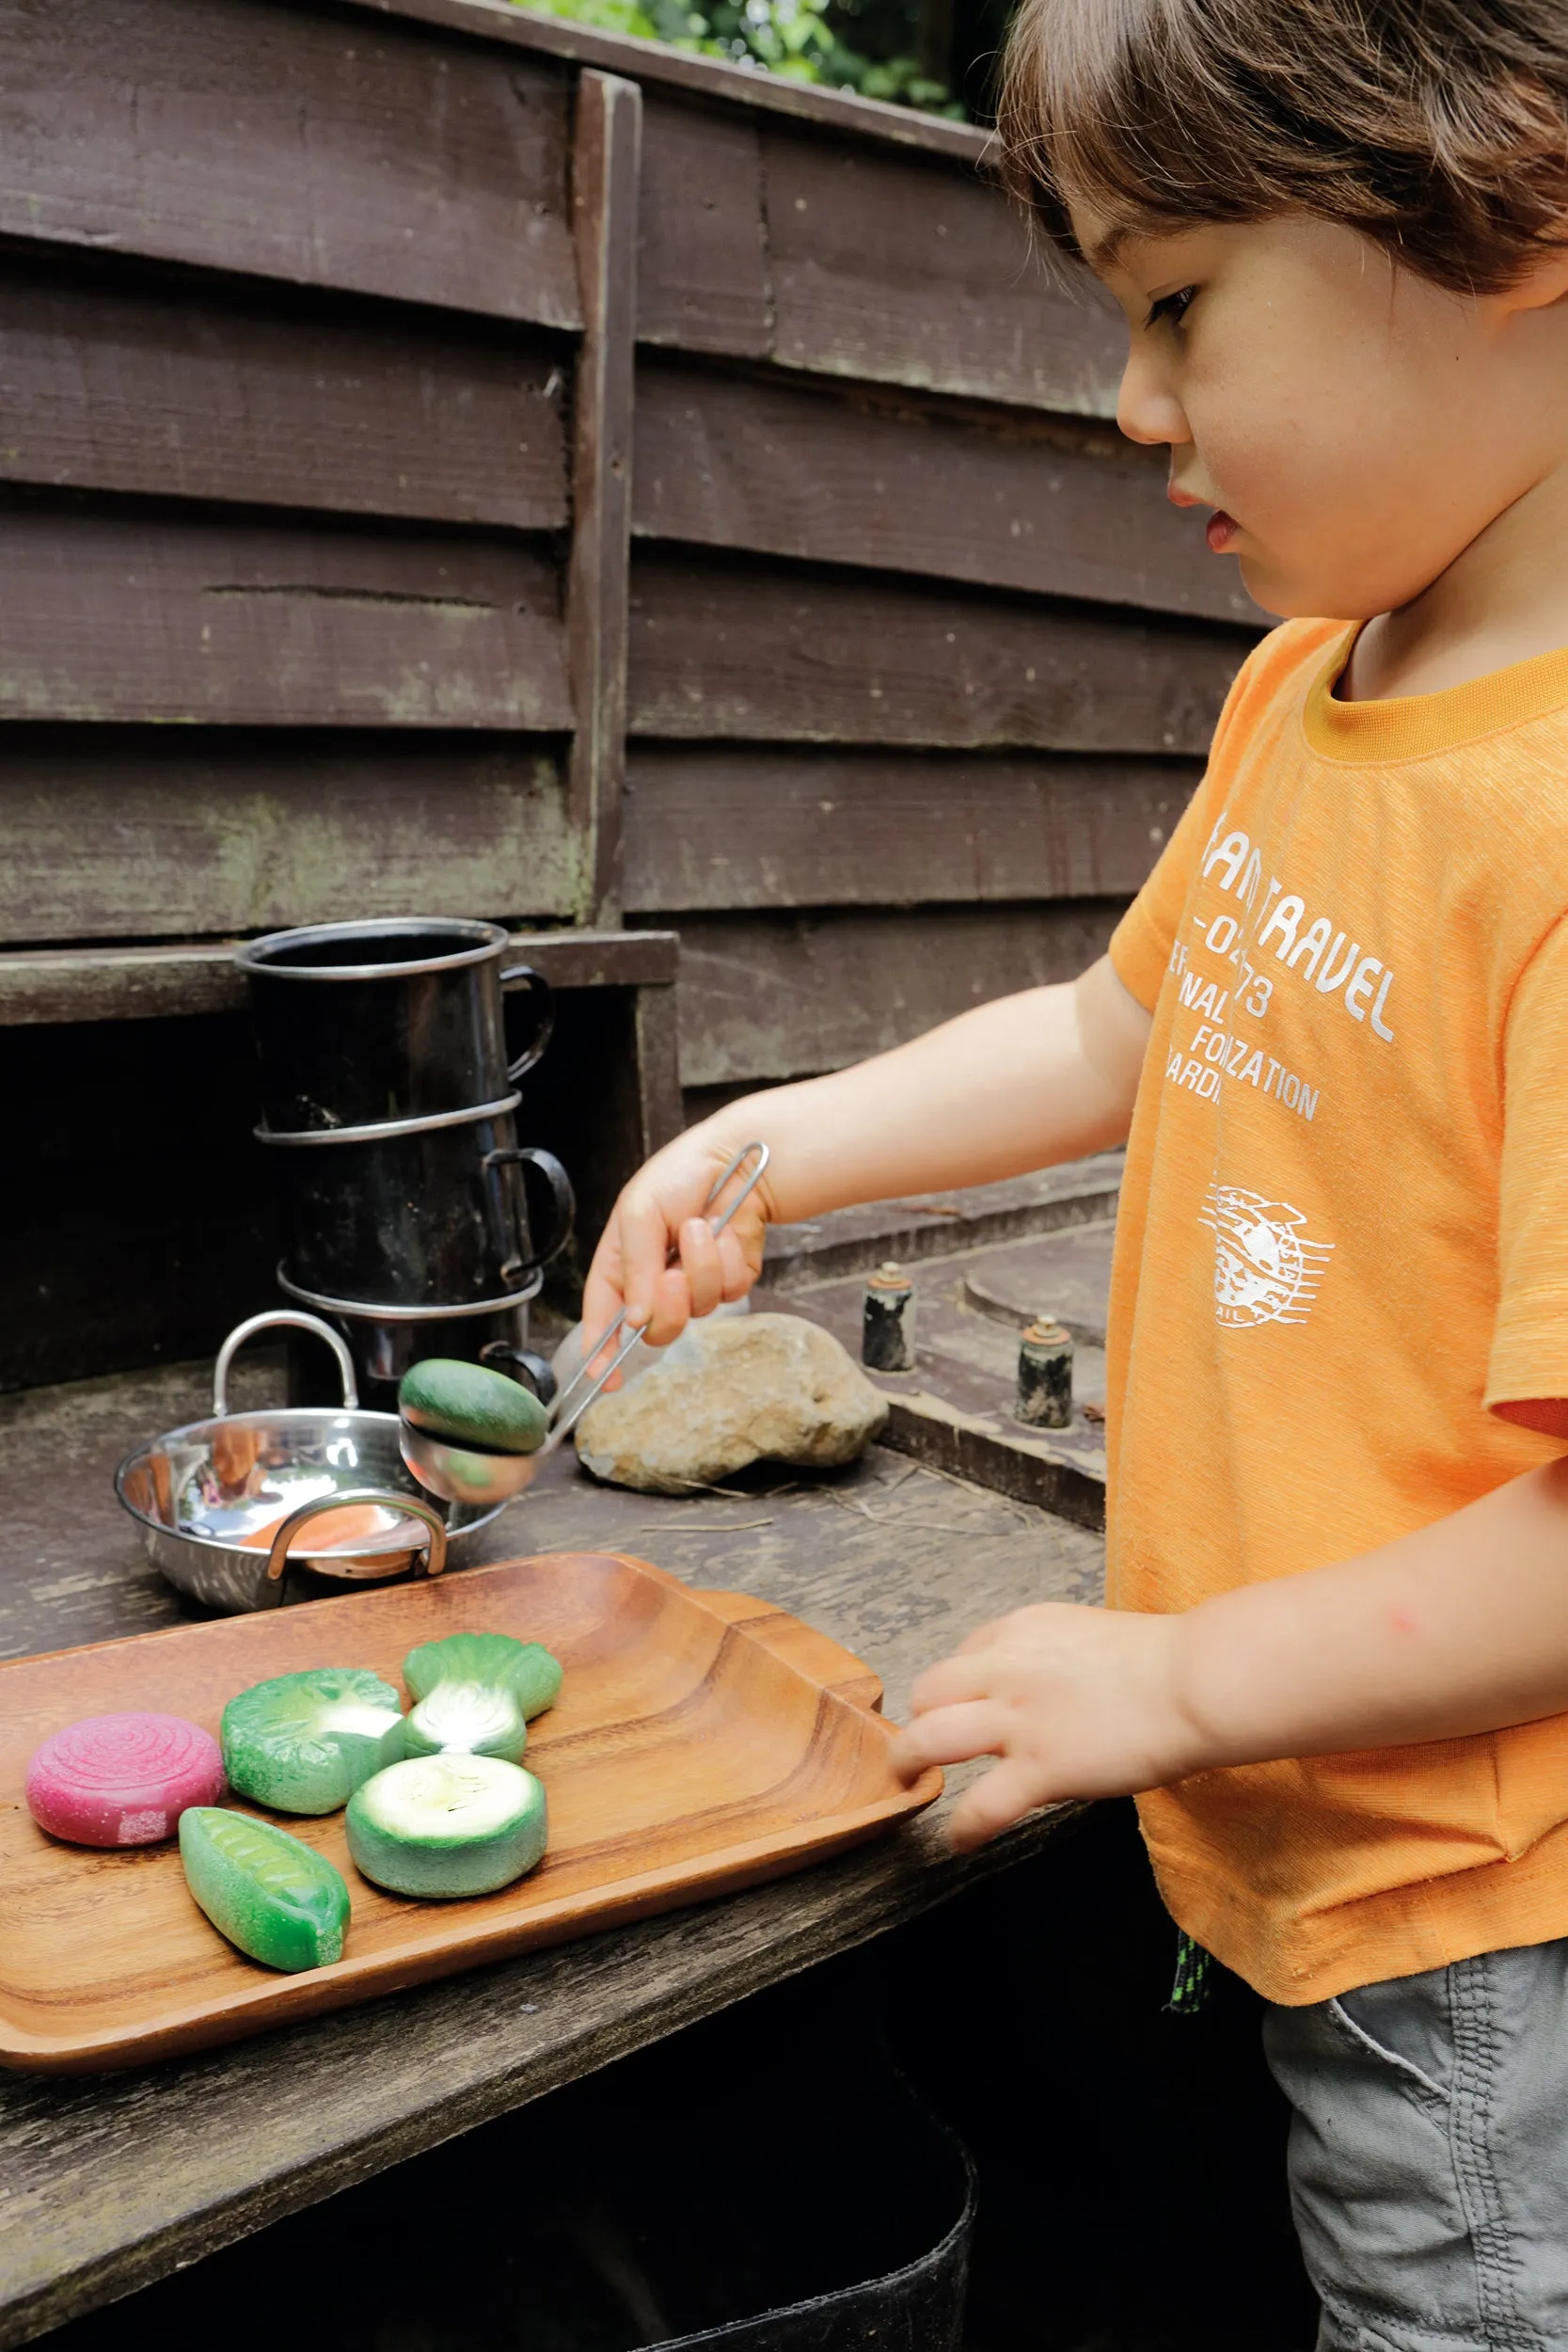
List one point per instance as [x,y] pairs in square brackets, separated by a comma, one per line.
[409,1506]
[291,1316]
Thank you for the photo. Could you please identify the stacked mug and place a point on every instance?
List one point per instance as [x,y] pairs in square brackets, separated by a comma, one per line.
[389,1109]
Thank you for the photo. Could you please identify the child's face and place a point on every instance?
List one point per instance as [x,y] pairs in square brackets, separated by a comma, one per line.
[1355,427]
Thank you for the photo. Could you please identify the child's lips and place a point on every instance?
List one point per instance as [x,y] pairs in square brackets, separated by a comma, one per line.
[1221,528]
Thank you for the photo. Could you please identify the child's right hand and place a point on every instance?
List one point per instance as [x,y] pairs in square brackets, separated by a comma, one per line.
[662,1211]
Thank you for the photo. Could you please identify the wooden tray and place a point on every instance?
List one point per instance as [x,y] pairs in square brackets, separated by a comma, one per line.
[701,1743]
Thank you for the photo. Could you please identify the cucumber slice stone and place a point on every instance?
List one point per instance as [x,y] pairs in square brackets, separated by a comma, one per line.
[473,1718]
[526,1669]
[275,1898]
[447,1825]
[472,1405]
[303,1742]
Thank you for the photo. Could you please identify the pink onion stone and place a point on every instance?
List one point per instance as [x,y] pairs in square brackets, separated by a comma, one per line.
[122,1780]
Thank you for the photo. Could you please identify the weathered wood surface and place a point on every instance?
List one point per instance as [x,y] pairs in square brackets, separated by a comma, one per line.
[737,86]
[111,380]
[1058,507]
[49,985]
[112,614]
[104,2185]
[773,997]
[844,258]
[119,835]
[729,648]
[606,165]
[337,149]
[764,829]
[935,1225]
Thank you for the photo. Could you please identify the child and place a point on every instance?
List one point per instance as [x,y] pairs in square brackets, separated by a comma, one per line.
[1334,1665]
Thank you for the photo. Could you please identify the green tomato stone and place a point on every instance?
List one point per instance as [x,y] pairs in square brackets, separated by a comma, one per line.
[303,1742]
[473,1406]
[275,1898]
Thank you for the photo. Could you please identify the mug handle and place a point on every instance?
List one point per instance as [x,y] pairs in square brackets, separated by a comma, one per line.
[564,1201]
[521,978]
[529,1370]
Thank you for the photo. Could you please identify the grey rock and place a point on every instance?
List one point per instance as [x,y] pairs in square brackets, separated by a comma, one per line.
[732,1391]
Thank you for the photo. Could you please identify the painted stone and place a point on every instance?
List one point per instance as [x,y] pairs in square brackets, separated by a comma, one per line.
[275,1898]
[122,1780]
[303,1742]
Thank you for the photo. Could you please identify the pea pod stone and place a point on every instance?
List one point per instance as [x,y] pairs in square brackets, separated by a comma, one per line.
[272,1896]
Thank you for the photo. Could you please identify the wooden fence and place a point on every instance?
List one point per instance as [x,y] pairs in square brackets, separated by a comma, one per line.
[452,460]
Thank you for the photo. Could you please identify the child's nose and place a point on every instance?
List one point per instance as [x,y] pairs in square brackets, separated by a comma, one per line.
[1147,408]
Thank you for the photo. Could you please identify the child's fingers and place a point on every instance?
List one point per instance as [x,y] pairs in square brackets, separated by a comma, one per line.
[701,1264]
[950,1681]
[1003,1796]
[950,1735]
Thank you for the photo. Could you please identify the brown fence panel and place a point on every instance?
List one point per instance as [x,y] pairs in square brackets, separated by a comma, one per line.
[115,381]
[710,829]
[337,150]
[782,654]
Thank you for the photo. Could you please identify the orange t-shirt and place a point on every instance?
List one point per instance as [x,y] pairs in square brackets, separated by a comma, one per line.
[1343,1238]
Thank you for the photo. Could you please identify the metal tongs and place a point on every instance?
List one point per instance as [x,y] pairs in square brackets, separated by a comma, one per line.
[466,1474]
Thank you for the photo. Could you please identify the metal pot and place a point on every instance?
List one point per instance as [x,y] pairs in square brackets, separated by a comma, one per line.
[385,1342]
[356,1023]
[207,1496]
[422,1213]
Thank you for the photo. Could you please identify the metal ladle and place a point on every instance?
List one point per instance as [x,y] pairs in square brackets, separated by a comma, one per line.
[466,1473]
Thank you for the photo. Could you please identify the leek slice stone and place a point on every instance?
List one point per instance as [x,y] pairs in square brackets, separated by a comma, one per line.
[472,1718]
[526,1669]
[303,1742]
[447,1825]
[273,1897]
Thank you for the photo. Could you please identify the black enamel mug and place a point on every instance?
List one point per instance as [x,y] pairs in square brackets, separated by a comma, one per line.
[359,1023]
[426,1212]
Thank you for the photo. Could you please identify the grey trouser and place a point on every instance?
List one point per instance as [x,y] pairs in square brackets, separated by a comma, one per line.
[1429,2156]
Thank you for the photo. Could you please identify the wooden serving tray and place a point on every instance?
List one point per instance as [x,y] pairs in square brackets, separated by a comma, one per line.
[701,1743]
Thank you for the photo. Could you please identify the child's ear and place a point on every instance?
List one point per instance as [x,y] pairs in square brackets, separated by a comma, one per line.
[1544,282]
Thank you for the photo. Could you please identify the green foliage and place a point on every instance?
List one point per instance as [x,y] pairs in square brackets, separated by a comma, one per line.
[795,38]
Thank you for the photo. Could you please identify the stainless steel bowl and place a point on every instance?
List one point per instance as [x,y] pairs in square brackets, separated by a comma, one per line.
[222,1503]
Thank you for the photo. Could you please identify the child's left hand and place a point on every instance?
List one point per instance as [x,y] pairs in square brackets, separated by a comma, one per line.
[1076,1702]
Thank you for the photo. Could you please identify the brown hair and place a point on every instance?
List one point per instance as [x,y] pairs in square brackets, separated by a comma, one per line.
[1438,128]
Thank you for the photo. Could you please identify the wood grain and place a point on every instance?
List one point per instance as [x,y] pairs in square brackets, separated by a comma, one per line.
[112,380]
[119,614]
[722,647]
[716,829]
[606,171]
[1057,508]
[49,985]
[702,263]
[774,996]
[685,1757]
[179,833]
[331,150]
[110,2183]
[900,268]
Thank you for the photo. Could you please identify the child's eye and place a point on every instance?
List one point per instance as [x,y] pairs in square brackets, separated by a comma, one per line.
[1171,309]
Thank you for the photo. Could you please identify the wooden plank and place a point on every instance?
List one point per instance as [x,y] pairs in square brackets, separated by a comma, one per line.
[703,280]
[116,614]
[781,996]
[604,183]
[905,269]
[731,829]
[180,836]
[650,62]
[114,382]
[126,2179]
[334,150]
[733,650]
[51,985]
[1067,509]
